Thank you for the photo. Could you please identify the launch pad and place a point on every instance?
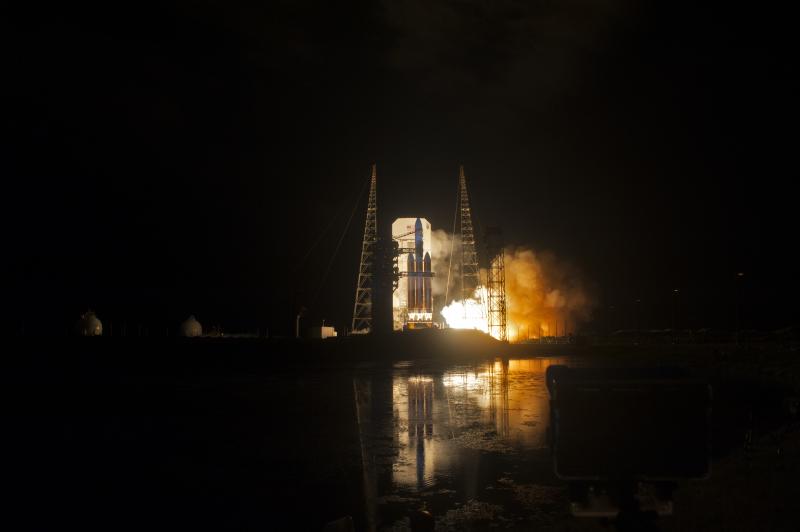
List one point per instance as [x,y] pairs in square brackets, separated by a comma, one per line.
[394,288]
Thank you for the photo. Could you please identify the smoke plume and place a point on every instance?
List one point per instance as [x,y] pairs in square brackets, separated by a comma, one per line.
[442,243]
[542,293]
[545,295]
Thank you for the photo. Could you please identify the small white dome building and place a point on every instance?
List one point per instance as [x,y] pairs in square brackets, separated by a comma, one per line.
[90,325]
[191,328]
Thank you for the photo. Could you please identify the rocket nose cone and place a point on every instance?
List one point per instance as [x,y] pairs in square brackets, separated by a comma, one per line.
[418,225]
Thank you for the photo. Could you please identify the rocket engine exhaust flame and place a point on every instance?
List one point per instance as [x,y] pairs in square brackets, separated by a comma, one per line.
[544,296]
[468,313]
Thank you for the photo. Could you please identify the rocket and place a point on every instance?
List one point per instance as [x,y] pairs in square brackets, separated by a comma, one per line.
[419,297]
[413,295]
[418,274]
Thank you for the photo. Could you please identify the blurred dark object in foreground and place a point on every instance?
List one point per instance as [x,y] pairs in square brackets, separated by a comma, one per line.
[624,438]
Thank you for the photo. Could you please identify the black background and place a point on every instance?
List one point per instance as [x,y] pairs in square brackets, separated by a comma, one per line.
[183,158]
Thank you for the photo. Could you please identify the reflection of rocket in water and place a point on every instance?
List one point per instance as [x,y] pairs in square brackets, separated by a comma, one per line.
[420,421]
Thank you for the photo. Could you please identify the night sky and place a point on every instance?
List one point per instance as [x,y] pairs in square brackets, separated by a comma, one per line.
[183,158]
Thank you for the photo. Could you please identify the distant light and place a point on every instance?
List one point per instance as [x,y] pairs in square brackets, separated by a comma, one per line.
[740,274]
[674,289]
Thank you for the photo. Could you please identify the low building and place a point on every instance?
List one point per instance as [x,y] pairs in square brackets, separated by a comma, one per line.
[320,333]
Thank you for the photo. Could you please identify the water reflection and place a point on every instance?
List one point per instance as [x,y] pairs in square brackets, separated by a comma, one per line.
[413,404]
[448,426]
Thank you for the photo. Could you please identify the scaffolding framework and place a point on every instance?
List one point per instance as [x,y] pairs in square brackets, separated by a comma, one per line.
[470,272]
[362,309]
[497,315]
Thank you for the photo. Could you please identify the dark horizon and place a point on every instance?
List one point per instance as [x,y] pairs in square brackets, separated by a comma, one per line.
[183,160]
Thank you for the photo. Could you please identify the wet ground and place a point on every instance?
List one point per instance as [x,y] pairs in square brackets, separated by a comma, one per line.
[469,443]
[110,448]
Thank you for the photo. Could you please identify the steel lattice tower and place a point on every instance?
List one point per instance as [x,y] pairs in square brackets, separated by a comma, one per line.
[362,309]
[496,285]
[470,273]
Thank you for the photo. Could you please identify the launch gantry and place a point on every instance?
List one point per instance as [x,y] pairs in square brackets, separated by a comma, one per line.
[496,311]
[362,309]
[470,273]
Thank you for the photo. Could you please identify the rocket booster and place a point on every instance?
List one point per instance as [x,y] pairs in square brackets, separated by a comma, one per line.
[426,265]
[419,297]
[411,281]
[418,274]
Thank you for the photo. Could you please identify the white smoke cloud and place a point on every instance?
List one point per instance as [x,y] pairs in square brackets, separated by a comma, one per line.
[441,245]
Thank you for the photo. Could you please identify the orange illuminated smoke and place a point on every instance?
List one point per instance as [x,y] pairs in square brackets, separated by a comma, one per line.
[544,297]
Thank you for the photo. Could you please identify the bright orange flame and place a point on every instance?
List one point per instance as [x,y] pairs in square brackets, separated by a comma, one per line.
[544,297]
[468,313]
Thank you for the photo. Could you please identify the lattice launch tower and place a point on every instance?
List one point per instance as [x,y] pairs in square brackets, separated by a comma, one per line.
[362,309]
